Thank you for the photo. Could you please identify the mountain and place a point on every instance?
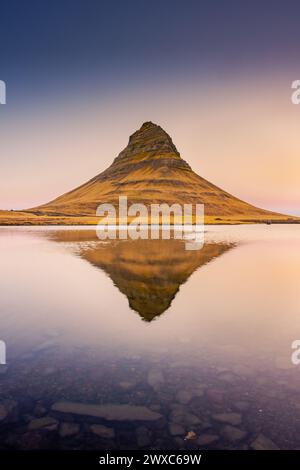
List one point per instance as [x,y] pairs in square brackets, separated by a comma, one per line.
[148,272]
[149,170]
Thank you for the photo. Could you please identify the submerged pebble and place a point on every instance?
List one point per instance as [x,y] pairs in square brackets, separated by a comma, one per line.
[263,443]
[102,431]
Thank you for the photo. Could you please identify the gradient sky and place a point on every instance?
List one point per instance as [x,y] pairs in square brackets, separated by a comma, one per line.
[82,75]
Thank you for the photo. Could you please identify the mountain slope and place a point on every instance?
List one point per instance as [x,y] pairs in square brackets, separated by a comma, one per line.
[148,170]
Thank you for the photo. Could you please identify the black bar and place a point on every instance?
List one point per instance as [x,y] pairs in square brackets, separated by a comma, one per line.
[148,459]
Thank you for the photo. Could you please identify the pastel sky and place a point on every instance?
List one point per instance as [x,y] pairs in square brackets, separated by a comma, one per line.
[83,75]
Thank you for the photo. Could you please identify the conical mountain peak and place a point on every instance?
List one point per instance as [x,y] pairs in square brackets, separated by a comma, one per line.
[149,170]
[151,138]
[151,147]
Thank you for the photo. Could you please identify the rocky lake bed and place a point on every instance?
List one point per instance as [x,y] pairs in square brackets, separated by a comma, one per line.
[139,403]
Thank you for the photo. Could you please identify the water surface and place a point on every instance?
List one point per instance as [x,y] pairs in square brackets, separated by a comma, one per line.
[200,338]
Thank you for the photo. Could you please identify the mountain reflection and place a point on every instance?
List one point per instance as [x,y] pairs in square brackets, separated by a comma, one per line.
[148,272]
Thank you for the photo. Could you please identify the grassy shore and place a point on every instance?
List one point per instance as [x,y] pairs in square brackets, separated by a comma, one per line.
[14,218]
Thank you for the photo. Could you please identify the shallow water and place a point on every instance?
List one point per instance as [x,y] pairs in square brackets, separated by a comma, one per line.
[200,338]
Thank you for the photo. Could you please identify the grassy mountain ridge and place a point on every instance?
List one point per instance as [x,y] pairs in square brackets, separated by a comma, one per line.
[149,170]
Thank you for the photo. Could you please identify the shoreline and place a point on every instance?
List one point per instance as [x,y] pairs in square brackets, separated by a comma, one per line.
[225,223]
[27,219]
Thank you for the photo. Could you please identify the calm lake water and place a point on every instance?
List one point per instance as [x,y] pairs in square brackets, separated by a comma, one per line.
[142,344]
